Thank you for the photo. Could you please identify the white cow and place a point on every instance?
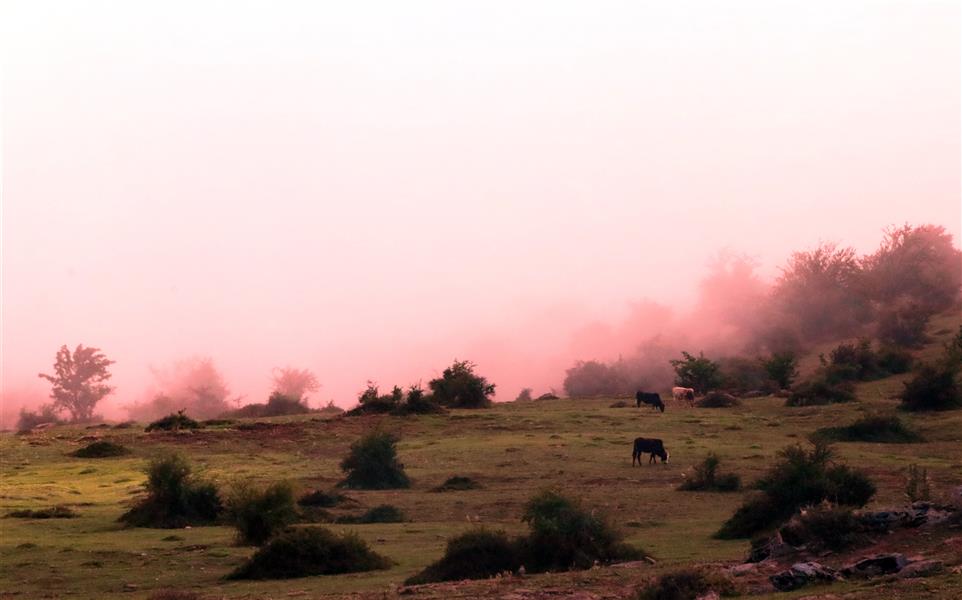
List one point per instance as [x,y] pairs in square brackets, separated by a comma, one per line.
[682,393]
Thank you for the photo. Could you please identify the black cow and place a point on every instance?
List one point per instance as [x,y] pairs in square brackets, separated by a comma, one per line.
[651,398]
[652,447]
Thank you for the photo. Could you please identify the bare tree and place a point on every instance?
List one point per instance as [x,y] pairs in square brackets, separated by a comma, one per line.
[295,383]
[78,382]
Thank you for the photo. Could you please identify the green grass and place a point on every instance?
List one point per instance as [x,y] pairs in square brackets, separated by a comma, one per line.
[582,447]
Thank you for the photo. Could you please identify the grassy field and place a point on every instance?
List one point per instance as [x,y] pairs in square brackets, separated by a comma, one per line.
[582,447]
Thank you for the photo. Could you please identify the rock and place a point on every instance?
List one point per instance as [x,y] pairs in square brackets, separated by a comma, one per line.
[754,394]
[802,574]
[922,568]
[878,564]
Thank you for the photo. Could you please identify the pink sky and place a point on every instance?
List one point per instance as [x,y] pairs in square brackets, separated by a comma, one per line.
[370,190]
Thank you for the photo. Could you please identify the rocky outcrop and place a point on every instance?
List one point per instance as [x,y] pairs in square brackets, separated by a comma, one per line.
[877,564]
[802,574]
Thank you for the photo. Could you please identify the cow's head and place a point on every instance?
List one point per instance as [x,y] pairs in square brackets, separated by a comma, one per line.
[664,457]
[661,405]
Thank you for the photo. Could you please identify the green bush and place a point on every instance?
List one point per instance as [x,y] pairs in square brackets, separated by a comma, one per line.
[895,361]
[824,527]
[820,391]
[47,414]
[935,387]
[799,478]
[699,373]
[563,535]
[917,484]
[277,405]
[903,325]
[460,387]
[457,483]
[174,498]
[309,551]
[706,478]
[372,464]
[476,554]
[384,513]
[877,429]
[55,512]
[100,449]
[686,584]
[173,422]
[782,368]
[741,374]
[258,514]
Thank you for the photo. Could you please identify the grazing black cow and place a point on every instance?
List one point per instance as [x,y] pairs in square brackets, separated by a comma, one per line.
[652,447]
[651,398]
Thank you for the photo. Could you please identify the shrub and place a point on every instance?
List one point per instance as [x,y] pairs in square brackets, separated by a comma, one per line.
[706,478]
[820,391]
[458,483]
[418,403]
[258,514]
[903,325]
[593,378]
[174,498]
[460,387]
[917,484]
[741,374]
[100,449]
[309,551]
[524,395]
[564,536]
[718,400]
[30,419]
[799,478]
[934,387]
[476,554]
[878,429]
[55,512]
[782,368]
[824,527]
[277,405]
[895,361]
[384,513]
[699,373]
[372,464]
[173,422]
[321,499]
[687,584]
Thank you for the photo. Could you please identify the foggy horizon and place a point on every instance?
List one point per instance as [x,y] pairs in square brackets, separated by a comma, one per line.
[373,194]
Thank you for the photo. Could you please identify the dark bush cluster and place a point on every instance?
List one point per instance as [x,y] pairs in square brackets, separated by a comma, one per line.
[562,536]
[799,478]
[460,387]
[101,449]
[173,422]
[877,429]
[174,497]
[260,513]
[372,464]
[45,415]
[741,374]
[706,478]
[309,551]
[55,512]
[860,362]
[697,372]
[824,527]
[457,483]
[322,499]
[476,554]
[820,391]
[937,386]
[399,403]
[277,405]
[687,584]
[383,513]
